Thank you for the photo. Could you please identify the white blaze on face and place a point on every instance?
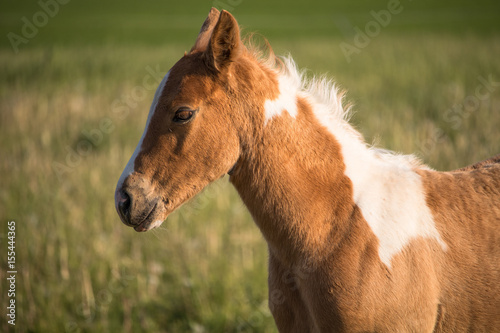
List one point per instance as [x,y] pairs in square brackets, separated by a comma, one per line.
[129,168]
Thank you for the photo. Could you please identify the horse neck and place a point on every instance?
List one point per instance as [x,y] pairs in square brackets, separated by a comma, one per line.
[292,179]
[309,180]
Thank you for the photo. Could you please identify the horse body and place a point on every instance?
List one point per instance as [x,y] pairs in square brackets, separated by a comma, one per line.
[348,288]
[325,268]
[360,240]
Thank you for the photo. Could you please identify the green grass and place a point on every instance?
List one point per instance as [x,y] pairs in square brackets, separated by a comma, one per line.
[134,23]
[81,270]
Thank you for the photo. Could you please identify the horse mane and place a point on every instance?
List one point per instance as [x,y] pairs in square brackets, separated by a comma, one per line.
[322,89]
[327,97]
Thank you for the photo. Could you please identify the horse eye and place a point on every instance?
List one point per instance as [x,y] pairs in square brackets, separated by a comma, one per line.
[183,115]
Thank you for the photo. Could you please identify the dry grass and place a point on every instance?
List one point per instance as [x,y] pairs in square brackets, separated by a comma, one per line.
[81,270]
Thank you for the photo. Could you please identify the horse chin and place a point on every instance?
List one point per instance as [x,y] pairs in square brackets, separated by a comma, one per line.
[148,225]
[153,220]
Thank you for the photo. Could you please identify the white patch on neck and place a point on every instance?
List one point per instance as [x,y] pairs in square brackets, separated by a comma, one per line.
[386,188]
[286,101]
[129,168]
[391,198]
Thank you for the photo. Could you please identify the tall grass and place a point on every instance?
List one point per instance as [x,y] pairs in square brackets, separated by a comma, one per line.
[204,270]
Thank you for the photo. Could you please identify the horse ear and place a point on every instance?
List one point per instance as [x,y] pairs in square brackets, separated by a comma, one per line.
[225,43]
[201,43]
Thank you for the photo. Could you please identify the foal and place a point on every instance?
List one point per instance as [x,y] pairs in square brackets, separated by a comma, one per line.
[360,240]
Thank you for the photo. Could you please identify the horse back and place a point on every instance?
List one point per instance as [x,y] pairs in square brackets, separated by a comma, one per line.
[491,162]
[465,204]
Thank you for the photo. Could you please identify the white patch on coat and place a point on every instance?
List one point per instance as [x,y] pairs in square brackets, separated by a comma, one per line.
[286,101]
[386,187]
[391,198]
[129,168]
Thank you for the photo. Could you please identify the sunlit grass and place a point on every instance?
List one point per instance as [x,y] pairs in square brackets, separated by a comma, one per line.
[204,270]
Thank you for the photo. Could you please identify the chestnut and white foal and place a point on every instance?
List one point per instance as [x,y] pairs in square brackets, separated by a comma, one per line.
[360,240]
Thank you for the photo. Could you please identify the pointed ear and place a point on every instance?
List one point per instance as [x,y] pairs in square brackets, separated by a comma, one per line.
[225,44]
[201,43]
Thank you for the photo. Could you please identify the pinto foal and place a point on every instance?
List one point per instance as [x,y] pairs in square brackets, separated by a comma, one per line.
[360,240]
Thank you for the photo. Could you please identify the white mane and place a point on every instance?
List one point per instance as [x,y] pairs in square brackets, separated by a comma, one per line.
[332,109]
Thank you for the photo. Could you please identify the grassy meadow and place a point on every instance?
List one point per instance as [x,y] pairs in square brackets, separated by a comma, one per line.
[73,103]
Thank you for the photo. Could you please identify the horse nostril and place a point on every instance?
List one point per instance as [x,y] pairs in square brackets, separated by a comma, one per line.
[124,205]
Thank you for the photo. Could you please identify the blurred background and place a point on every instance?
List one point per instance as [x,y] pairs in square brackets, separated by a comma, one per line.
[76,82]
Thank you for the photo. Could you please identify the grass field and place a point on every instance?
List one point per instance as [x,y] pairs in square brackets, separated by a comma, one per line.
[73,104]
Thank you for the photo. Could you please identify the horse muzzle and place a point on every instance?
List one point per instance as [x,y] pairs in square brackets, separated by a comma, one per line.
[137,205]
